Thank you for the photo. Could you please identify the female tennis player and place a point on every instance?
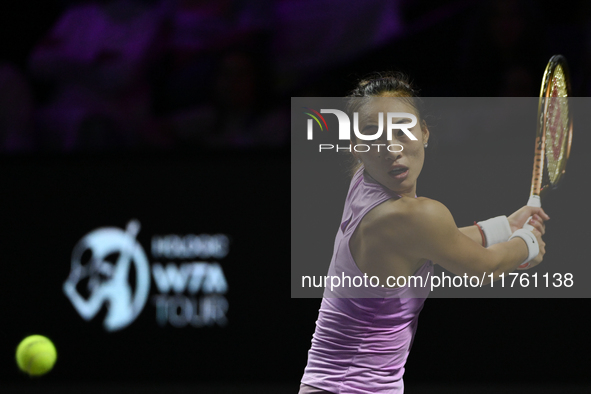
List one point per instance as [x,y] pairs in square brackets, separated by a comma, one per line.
[364,334]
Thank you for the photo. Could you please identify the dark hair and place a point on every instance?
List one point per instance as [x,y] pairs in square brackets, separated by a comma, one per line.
[378,84]
[385,84]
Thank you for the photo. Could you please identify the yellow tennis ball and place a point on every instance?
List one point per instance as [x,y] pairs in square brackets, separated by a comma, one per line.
[36,355]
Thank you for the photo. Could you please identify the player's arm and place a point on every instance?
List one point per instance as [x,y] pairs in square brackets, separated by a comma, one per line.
[426,230]
[472,232]
[499,229]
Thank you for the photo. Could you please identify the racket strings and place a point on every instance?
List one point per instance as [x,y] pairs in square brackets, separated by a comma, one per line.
[557,124]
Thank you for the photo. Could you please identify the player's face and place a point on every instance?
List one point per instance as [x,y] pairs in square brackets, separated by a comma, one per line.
[397,162]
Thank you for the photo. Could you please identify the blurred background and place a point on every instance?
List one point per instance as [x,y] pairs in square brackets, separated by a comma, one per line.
[175,113]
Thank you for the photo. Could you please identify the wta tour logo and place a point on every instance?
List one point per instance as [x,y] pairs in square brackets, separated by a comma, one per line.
[394,121]
[109,268]
[103,260]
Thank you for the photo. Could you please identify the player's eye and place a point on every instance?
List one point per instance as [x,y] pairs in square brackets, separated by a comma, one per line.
[369,130]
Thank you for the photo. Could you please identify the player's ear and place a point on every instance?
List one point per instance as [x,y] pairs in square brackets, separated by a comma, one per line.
[425,131]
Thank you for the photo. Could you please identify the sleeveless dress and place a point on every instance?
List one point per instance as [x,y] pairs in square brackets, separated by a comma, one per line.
[363,333]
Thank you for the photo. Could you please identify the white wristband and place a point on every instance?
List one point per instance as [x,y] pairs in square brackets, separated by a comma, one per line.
[496,230]
[533,249]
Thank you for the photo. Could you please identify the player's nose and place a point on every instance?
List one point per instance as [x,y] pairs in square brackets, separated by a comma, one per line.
[393,156]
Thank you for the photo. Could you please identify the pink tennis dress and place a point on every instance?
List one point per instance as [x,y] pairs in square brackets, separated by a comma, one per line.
[363,334]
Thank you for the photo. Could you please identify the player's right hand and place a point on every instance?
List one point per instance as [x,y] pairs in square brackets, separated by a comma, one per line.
[520,217]
[542,245]
[537,222]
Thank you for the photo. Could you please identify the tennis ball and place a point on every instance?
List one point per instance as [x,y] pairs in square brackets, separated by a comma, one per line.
[36,355]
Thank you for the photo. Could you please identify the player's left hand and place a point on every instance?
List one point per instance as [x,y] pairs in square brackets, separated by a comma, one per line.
[538,217]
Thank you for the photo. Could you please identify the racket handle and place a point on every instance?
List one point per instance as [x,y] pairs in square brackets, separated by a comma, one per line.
[534,201]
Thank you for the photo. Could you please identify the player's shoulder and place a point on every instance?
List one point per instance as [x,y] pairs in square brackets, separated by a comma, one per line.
[400,222]
[404,217]
[409,210]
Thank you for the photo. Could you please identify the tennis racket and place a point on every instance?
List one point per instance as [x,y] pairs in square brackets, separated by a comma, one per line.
[554,133]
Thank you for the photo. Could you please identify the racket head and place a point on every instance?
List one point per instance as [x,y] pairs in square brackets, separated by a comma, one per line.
[554,128]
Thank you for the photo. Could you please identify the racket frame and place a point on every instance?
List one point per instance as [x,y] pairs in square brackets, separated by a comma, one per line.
[540,178]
